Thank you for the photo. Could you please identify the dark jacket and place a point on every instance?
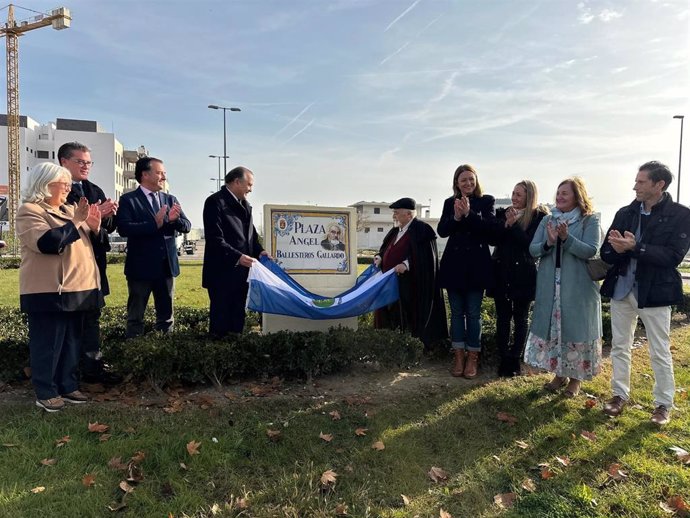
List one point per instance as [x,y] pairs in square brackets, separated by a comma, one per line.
[419,289]
[514,268]
[466,261]
[151,251]
[660,249]
[229,232]
[99,242]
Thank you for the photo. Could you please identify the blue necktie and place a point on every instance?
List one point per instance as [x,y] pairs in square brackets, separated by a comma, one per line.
[156,204]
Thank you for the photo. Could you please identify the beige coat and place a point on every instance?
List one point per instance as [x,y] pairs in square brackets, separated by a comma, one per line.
[58,270]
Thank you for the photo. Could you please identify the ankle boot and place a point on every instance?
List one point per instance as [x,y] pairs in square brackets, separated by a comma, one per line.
[459,366]
[471,365]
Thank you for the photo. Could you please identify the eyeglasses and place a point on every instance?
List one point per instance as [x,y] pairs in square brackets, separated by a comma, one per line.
[65,185]
[81,162]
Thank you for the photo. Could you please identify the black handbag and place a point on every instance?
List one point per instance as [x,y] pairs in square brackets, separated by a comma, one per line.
[597,268]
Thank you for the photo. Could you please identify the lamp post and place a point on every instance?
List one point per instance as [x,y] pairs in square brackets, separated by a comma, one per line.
[680,151]
[220,181]
[225,140]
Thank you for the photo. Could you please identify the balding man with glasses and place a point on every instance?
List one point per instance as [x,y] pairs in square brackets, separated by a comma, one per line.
[76,158]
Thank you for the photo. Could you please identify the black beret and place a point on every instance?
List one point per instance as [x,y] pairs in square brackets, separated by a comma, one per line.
[404,203]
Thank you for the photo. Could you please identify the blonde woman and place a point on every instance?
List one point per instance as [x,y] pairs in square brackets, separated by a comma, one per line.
[514,273]
[565,334]
[58,281]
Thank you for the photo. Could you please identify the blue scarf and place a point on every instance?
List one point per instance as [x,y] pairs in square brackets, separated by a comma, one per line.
[569,217]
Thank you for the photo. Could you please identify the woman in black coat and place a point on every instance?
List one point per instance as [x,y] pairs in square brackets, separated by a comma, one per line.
[515,273]
[465,272]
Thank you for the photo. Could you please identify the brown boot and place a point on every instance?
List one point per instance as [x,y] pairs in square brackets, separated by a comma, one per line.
[471,365]
[459,366]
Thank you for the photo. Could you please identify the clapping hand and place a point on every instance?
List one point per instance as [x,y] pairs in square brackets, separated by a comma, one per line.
[622,243]
[551,233]
[81,212]
[174,212]
[511,216]
[108,208]
[562,230]
[160,216]
[93,220]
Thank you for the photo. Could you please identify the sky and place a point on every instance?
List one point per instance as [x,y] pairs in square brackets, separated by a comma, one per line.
[351,100]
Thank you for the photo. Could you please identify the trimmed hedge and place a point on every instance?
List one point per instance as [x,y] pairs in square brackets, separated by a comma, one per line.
[190,355]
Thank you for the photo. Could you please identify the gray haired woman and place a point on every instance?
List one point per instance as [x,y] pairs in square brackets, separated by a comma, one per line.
[58,281]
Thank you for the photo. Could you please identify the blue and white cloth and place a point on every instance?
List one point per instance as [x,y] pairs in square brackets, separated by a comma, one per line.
[272,290]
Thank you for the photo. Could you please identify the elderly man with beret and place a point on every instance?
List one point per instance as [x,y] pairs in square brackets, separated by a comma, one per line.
[410,249]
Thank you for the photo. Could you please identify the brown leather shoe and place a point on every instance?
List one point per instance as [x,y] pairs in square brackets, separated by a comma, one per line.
[459,366]
[661,415]
[471,365]
[614,406]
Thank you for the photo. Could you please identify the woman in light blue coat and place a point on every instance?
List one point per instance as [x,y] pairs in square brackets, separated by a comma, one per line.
[565,333]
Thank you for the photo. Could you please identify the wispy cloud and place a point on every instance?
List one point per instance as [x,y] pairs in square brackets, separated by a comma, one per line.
[608,14]
[446,88]
[401,15]
[299,132]
[586,15]
[294,119]
[394,53]
[619,70]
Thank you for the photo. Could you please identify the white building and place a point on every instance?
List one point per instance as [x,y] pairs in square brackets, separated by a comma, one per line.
[375,219]
[113,168]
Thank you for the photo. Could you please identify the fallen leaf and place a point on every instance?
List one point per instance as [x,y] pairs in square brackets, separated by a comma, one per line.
[341,510]
[328,437]
[242,503]
[231,396]
[361,432]
[328,477]
[129,430]
[193,447]
[677,505]
[98,427]
[273,435]
[437,474]
[176,405]
[117,506]
[682,455]
[105,437]
[126,487]
[506,418]
[9,445]
[564,461]
[505,500]
[62,441]
[378,446]
[406,500]
[88,480]
[546,474]
[529,485]
[49,462]
[116,463]
[616,473]
[183,466]
[444,514]
[590,436]
[38,489]
[522,445]
[590,403]
[134,473]
[335,415]
[138,457]
[496,458]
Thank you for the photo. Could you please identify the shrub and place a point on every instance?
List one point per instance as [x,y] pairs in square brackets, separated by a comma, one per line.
[9,263]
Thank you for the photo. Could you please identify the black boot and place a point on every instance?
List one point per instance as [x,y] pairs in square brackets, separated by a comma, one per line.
[504,368]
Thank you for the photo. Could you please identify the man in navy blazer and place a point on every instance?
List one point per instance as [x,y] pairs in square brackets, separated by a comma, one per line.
[232,245]
[150,220]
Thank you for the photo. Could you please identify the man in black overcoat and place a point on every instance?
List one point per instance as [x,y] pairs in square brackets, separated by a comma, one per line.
[410,249]
[76,158]
[232,245]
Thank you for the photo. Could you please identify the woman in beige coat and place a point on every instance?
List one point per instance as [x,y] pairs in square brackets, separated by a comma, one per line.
[58,281]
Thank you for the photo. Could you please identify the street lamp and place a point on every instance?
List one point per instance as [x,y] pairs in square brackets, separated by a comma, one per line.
[220,181]
[225,140]
[680,151]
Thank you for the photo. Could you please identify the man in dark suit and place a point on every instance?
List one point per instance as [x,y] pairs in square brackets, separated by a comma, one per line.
[232,245]
[76,158]
[150,220]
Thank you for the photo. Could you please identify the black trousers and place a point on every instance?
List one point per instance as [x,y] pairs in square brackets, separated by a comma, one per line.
[54,344]
[163,290]
[517,312]
[227,309]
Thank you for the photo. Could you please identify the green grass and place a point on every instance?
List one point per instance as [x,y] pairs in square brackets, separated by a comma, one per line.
[447,423]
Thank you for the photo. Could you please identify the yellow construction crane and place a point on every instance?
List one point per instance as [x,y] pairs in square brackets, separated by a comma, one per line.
[58,19]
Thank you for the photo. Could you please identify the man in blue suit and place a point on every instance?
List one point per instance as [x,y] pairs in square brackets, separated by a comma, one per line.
[150,220]
[232,245]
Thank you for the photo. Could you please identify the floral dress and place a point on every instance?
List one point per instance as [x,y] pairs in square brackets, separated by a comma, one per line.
[579,360]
